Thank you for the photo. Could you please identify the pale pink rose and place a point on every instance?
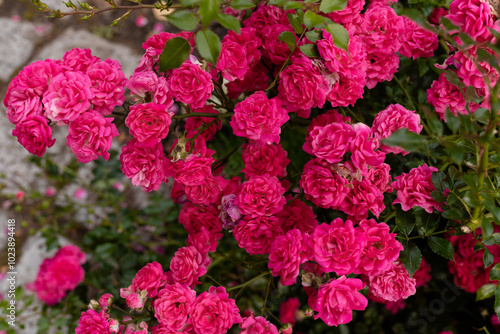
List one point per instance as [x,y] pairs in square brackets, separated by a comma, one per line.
[214,312]
[91,136]
[238,53]
[414,189]
[261,196]
[108,85]
[173,304]
[302,86]
[80,194]
[106,300]
[273,48]
[190,84]
[257,325]
[150,278]
[288,310]
[256,234]
[259,118]
[187,266]
[34,134]
[337,246]
[255,79]
[149,122]
[286,255]
[93,322]
[145,166]
[193,217]
[78,59]
[146,87]
[381,250]
[330,142]
[68,96]
[382,68]
[394,284]
[473,17]
[299,215]
[443,95]
[337,299]
[323,185]
[141,21]
[417,41]
[260,158]
[21,103]
[391,119]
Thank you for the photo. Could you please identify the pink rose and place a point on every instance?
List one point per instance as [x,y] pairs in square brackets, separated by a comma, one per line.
[422,276]
[443,95]
[255,79]
[21,103]
[34,134]
[257,325]
[350,15]
[78,59]
[229,213]
[330,142]
[36,76]
[256,234]
[297,214]
[261,196]
[363,196]
[214,312]
[264,16]
[147,87]
[382,68]
[259,118]
[149,122]
[91,136]
[106,300]
[350,66]
[288,310]
[337,246]
[417,41]
[394,284]
[204,241]
[275,49]
[145,166]
[93,322]
[365,148]
[190,84]
[473,17]
[260,159]
[346,91]
[187,266]
[196,124]
[150,278]
[193,217]
[380,29]
[195,169]
[173,305]
[337,299]
[379,177]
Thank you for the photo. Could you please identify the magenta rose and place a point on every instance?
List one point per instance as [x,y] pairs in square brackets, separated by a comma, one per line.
[257,325]
[443,96]
[150,278]
[78,59]
[473,17]
[194,170]
[187,266]
[194,217]
[149,122]
[214,312]
[256,234]
[260,159]
[21,103]
[417,41]
[329,142]
[173,304]
[394,284]
[146,87]
[91,136]
[190,84]
[288,309]
[363,196]
[365,149]
[261,196]
[299,215]
[36,76]
[382,68]
[93,322]
[275,49]
[34,134]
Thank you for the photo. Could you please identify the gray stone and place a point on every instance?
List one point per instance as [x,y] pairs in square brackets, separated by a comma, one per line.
[103,48]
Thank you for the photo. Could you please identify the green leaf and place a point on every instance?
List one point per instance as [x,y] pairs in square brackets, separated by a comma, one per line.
[310,50]
[405,139]
[416,16]
[441,247]
[189,3]
[438,181]
[279,3]
[183,20]
[492,240]
[448,24]
[456,152]
[339,34]
[487,258]
[295,22]
[289,38]
[411,257]
[405,222]
[328,6]
[209,9]
[209,45]
[175,52]
[490,205]
[314,35]
[452,121]
[482,115]
[496,306]
[230,22]
[311,19]
[292,5]
[486,291]
[495,272]
[241,4]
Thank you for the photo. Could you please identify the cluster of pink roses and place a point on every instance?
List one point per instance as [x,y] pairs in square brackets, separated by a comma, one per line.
[59,274]
[78,90]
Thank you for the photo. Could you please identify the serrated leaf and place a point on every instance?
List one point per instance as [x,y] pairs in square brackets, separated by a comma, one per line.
[405,139]
[492,240]
[209,45]
[411,257]
[441,247]
[438,181]
[311,19]
[209,9]
[495,272]
[487,258]
[188,3]
[310,50]
[279,3]
[448,24]
[183,20]
[340,36]
[230,22]
[314,35]
[405,222]
[289,38]
[490,205]
[456,152]
[482,115]
[175,52]
[241,4]
[496,306]
[295,22]
[328,6]
[292,5]
[485,292]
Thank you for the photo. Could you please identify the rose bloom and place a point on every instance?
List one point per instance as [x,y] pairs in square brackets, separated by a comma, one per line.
[257,325]
[214,312]
[190,84]
[193,124]
[382,68]
[363,196]
[299,215]
[146,87]
[394,284]
[93,322]
[393,118]
[288,310]
[473,17]
[187,266]
[261,196]
[173,304]
[302,86]
[349,17]
[205,193]
[256,234]
[422,276]
[204,241]
[259,118]
[286,255]
[471,75]
[193,217]
[91,136]
[379,177]
[106,300]
[34,134]
[145,166]
[381,250]
[21,103]
[68,96]
[414,189]
[274,49]
[149,122]
[330,142]
[150,278]
[78,59]
[380,29]
[417,41]
[255,79]
[443,95]
[229,213]
[337,246]
[36,76]
[346,91]
[337,299]
[195,169]
[266,15]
